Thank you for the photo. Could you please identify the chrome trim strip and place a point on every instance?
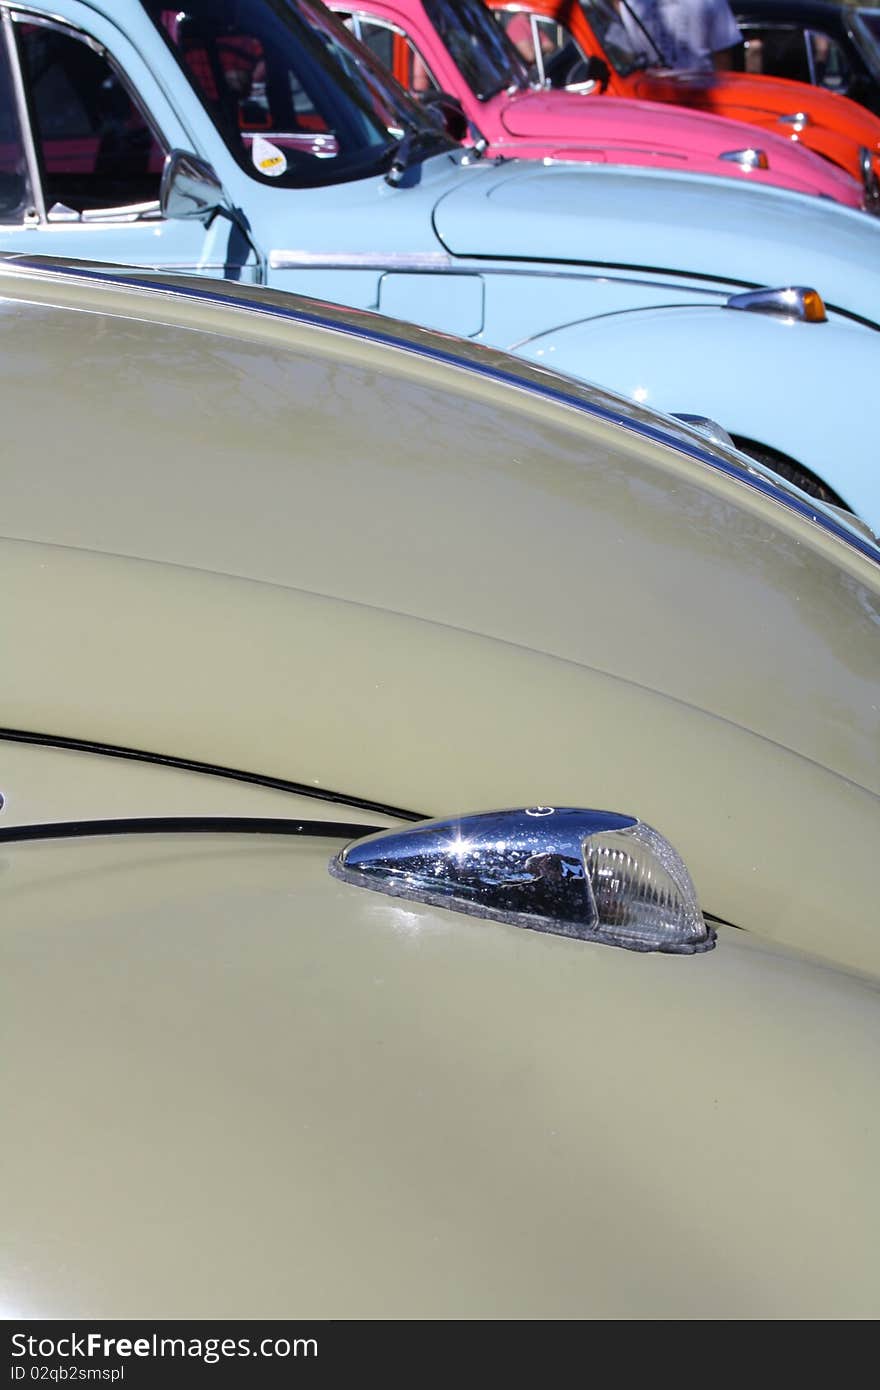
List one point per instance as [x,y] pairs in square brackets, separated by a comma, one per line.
[439,263]
[742,474]
[359,260]
[869,179]
[59,23]
[707,426]
[798,120]
[751,158]
[24,119]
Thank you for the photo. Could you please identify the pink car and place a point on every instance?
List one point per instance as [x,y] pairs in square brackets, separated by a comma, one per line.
[456,47]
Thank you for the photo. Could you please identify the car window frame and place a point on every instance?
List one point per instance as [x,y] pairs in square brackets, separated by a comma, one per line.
[810,34]
[356,17]
[122,213]
[34,210]
[752,31]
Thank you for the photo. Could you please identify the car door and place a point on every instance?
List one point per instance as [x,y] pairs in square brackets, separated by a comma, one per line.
[88,155]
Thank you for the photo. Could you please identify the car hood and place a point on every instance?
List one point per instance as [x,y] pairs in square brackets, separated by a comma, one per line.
[775,96]
[274,1096]
[658,221]
[615,120]
[614,130]
[438,592]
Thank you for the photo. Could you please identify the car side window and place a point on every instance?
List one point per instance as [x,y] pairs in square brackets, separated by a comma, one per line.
[561,61]
[547,47]
[96,148]
[15,194]
[520,28]
[829,62]
[779,50]
[396,51]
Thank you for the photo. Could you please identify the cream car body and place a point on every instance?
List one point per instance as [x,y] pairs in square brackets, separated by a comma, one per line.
[279,560]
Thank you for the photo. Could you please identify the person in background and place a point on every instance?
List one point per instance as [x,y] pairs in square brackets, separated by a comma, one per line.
[694,35]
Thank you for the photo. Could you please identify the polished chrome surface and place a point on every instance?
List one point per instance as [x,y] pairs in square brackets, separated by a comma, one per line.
[788,303]
[60,212]
[747,159]
[37,213]
[190,188]
[710,428]
[798,120]
[60,25]
[359,260]
[593,875]
[126,212]
[869,179]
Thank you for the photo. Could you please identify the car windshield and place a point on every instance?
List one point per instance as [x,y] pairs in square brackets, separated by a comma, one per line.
[627,46]
[297,100]
[866,26]
[480,49]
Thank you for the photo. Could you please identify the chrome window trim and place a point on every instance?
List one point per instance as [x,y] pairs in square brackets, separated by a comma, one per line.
[24,120]
[811,62]
[537,49]
[56,22]
[359,16]
[356,16]
[690,448]
[809,35]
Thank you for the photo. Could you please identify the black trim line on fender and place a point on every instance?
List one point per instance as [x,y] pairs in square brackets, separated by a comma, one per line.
[259,779]
[204,825]
[640,427]
[185,825]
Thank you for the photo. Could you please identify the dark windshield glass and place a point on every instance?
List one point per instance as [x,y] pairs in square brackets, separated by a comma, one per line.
[625,42]
[480,49]
[296,98]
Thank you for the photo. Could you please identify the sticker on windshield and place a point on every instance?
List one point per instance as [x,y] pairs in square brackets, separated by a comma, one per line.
[268,158]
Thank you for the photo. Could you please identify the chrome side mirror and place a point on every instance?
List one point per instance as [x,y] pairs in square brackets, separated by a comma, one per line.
[190,189]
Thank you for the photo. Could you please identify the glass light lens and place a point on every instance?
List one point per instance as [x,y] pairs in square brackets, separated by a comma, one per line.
[643,892]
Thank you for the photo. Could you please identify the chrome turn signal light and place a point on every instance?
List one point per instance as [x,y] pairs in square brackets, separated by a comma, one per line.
[795,302]
[592,875]
[747,159]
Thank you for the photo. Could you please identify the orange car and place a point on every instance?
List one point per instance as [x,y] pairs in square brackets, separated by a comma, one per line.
[573,43]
